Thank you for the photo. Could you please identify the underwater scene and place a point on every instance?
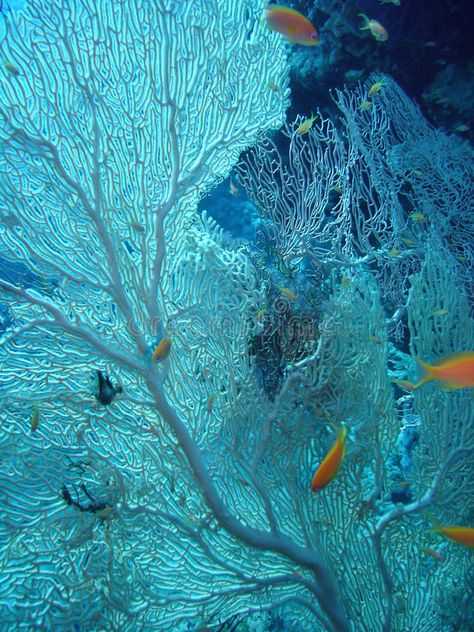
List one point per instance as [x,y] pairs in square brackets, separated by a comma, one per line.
[236,316]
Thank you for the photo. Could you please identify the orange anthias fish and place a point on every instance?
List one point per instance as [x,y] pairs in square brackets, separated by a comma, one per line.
[331,463]
[294,26]
[306,125]
[455,371]
[459,535]
[436,555]
[378,85]
[162,349]
[289,294]
[35,418]
[377,31]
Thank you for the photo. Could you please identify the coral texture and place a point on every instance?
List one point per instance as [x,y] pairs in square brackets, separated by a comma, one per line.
[175,492]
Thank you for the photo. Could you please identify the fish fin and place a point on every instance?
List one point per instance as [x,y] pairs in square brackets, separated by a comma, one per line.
[437,528]
[452,357]
[366,22]
[405,384]
[451,387]
[426,373]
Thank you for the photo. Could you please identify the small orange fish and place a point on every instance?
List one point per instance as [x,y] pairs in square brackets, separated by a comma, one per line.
[290,23]
[331,463]
[12,68]
[439,312]
[459,535]
[287,293]
[376,87]
[233,190]
[436,555]
[306,125]
[405,384]
[455,370]
[138,227]
[162,349]
[273,86]
[377,31]
[394,252]
[418,217]
[35,418]
[260,314]
[401,484]
[210,401]
[365,105]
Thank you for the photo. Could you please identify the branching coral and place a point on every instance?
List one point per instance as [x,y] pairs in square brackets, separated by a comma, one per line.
[187,496]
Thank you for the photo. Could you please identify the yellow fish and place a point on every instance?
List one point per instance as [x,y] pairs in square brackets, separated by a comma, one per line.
[162,349]
[418,217]
[306,125]
[376,87]
[365,105]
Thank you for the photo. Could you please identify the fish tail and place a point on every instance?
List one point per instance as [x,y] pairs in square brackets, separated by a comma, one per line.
[366,21]
[427,373]
[435,522]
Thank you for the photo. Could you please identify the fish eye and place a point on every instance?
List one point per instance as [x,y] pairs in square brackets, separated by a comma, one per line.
[313,35]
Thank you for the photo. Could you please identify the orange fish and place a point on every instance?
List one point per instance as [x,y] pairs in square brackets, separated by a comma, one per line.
[405,384]
[12,68]
[460,535]
[401,484]
[306,125]
[294,26]
[260,314]
[210,401]
[455,371]
[162,349]
[378,85]
[365,105]
[436,555]
[287,293]
[377,31]
[331,463]
[35,418]
[233,190]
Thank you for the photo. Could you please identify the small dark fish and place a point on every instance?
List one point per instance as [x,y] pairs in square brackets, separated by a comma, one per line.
[105,391]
